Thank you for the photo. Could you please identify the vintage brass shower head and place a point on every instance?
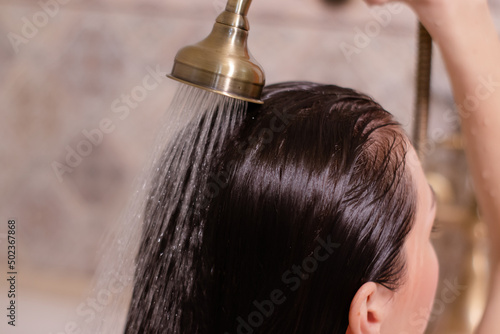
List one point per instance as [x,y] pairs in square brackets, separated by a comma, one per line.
[221,63]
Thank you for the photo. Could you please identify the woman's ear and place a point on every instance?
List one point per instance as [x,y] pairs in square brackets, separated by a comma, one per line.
[369,309]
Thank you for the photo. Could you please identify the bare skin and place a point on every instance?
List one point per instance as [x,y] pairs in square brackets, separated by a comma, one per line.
[376,309]
[465,33]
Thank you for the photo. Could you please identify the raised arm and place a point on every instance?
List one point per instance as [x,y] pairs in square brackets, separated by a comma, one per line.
[466,36]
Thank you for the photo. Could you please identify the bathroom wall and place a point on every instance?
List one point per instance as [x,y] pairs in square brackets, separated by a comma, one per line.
[65,65]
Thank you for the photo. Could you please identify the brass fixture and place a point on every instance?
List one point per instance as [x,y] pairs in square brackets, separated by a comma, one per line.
[461,246]
[461,294]
[423,89]
[221,63]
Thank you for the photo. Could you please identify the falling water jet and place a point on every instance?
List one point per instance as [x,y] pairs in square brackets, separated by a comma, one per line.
[219,78]
[196,122]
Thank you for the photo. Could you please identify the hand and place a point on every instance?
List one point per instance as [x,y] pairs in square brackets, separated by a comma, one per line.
[467,37]
[444,18]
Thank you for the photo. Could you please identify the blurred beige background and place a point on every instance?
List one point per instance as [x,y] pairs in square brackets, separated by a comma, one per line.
[63,63]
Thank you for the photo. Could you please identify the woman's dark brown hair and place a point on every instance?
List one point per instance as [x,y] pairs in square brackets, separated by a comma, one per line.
[310,199]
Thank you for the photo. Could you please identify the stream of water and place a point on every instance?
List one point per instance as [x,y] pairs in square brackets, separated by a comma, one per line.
[157,222]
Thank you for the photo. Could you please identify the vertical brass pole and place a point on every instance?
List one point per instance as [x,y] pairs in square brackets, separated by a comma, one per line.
[423,91]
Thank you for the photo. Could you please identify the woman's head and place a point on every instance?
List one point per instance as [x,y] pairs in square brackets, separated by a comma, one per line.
[309,222]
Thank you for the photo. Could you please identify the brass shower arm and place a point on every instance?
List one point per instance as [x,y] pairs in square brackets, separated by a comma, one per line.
[239,7]
[235,16]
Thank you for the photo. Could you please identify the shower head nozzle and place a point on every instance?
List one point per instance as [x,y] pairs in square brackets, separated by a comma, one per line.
[221,63]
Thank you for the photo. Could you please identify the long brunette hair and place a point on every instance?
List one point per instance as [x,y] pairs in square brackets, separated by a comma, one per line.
[308,200]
